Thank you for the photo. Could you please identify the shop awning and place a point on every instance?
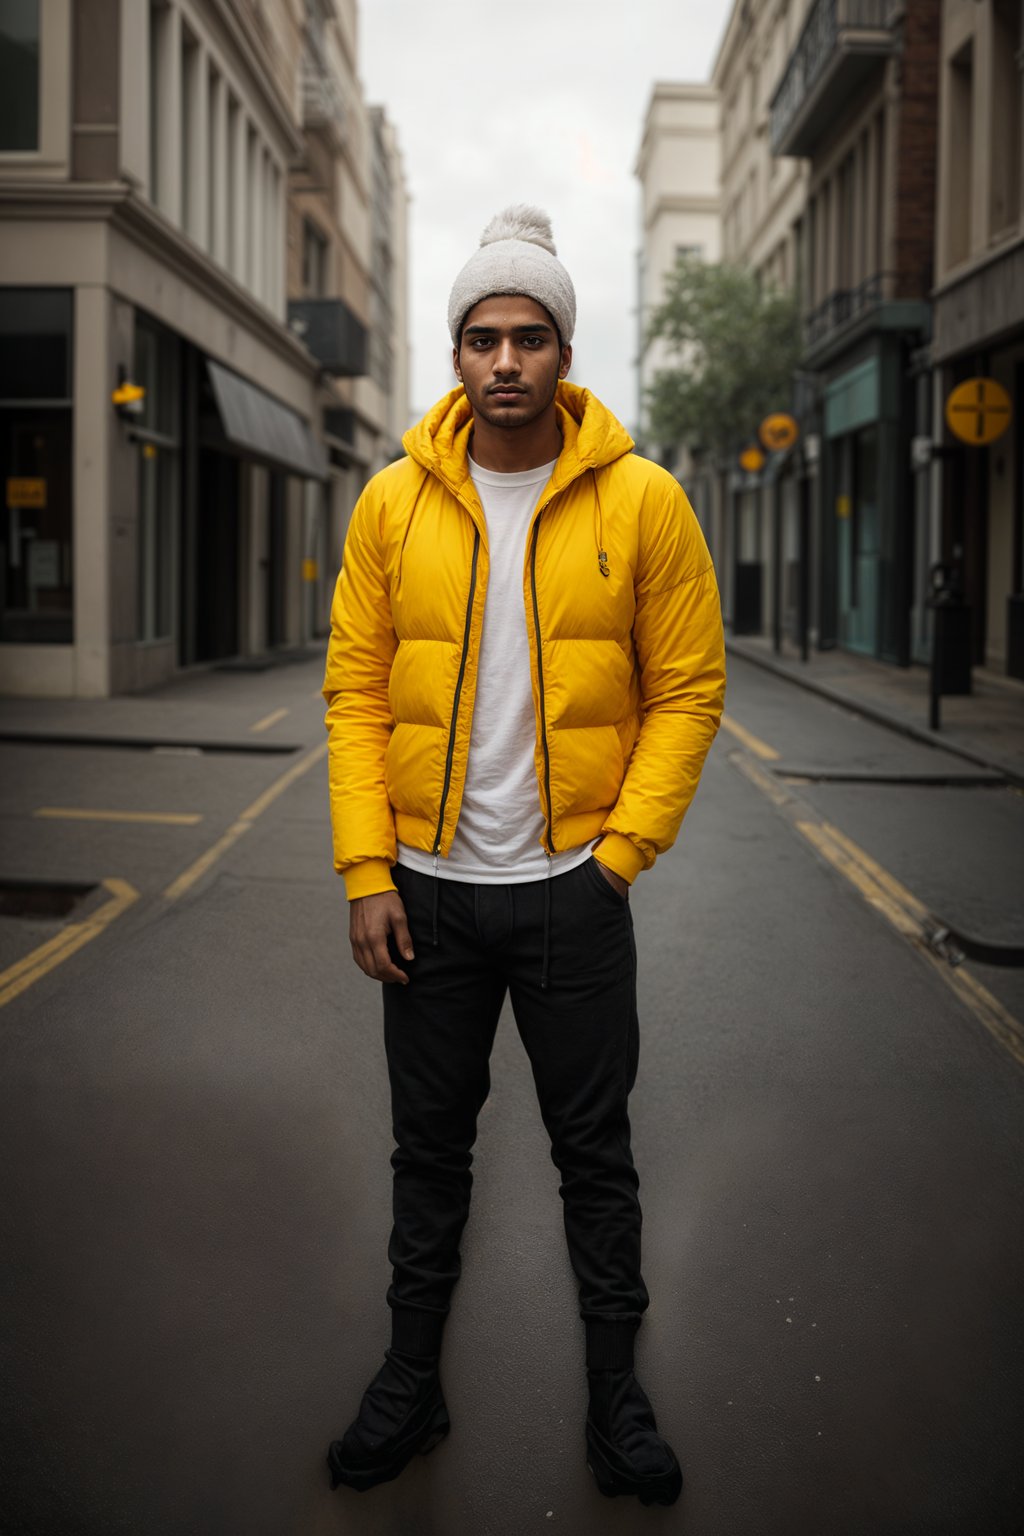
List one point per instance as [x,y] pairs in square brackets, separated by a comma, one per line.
[264,429]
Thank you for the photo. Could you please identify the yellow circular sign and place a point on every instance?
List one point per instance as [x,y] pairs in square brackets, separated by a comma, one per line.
[752,459]
[778,431]
[978,411]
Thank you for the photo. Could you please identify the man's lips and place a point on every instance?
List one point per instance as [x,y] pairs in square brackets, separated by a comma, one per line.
[505,391]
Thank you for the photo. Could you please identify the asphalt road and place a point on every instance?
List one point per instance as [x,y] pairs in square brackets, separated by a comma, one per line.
[194,1125]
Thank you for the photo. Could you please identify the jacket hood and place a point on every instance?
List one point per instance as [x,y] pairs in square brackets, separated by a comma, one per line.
[591,436]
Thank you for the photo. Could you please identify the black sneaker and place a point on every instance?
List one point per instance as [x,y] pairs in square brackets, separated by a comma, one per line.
[402,1413]
[624,1450]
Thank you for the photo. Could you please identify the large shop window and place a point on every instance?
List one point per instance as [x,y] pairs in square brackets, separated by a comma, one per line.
[19,76]
[36,584]
[158,438]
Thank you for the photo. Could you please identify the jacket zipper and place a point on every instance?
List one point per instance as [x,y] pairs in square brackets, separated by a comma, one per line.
[540,683]
[458,694]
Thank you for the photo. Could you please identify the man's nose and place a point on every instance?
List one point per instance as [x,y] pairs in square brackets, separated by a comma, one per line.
[506,359]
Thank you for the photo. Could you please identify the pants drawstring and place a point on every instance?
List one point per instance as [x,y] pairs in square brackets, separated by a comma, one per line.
[433,906]
[547,929]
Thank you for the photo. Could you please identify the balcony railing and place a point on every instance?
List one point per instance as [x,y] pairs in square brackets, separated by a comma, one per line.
[841,43]
[323,103]
[844,305]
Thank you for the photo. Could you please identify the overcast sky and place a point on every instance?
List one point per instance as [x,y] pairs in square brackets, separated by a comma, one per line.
[538,101]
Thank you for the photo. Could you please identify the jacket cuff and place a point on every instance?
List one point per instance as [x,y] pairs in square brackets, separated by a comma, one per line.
[621,856]
[368,878]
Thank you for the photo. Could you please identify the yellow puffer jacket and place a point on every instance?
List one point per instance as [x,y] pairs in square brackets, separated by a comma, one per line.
[626,649]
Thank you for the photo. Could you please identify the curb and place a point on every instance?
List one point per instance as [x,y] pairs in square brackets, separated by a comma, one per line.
[873,712]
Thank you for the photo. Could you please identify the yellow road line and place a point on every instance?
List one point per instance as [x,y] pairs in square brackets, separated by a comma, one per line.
[907,915]
[196,870]
[24,973]
[747,739]
[891,900]
[269,720]
[155,818]
[776,792]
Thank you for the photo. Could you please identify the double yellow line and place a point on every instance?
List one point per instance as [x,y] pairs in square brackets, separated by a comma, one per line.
[900,908]
[20,976]
[46,957]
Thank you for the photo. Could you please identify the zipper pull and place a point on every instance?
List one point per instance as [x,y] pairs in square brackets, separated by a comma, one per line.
[602,562]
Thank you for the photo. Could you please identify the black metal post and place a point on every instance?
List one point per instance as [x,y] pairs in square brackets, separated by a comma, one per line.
[805,563]
[777,565]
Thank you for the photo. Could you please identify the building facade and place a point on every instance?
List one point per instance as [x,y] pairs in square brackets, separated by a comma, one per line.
[759,536]
[859,100]
[976,522]
[162,442]
[678,171]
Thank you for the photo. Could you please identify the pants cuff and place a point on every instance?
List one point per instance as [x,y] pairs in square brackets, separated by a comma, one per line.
[610,1345]
[418,1333]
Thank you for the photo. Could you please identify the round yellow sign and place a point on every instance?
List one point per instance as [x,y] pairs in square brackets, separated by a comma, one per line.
[978,411]
[778,431]
[752,459]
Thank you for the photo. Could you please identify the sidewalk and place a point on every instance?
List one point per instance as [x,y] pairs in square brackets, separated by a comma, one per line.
[985,728]
[237,709]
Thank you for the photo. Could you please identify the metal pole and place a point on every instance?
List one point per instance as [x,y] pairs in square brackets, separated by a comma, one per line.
[805,562]
[777,566]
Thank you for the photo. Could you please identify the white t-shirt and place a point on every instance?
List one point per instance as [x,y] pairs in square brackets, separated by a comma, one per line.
[501,823]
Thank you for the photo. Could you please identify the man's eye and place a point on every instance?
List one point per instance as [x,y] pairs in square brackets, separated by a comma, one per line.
[533,342]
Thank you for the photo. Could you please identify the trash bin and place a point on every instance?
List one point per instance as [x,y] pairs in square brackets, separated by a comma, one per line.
[746,608]
[1015,634]
[951,632]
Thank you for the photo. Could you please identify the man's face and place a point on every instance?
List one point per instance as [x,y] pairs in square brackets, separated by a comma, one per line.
[510,360]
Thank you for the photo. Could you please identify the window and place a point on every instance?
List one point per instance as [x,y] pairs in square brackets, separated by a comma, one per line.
[35,454]
[1005,116]
[158,437]
[19,75]
[314,261]
[192,159]
[961,113]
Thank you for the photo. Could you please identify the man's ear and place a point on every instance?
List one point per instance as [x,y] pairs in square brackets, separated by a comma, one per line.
[565,363]
[455,364]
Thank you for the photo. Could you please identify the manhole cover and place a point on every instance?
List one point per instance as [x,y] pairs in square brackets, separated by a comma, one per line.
[41,898]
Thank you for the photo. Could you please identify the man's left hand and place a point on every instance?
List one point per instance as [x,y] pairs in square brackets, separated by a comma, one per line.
[615,881]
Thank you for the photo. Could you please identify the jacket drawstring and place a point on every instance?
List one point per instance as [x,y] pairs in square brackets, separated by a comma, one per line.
[602,557]
[433,905]
[547,929]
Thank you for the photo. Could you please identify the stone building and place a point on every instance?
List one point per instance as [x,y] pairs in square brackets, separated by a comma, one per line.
[858,100]
[162,443]
[678,171]
[757,527]
[977,512]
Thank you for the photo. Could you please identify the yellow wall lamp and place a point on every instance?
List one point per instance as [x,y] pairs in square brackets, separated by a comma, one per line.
[128,399]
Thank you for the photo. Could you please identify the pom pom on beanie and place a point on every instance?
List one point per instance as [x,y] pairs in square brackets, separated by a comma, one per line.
[516,256]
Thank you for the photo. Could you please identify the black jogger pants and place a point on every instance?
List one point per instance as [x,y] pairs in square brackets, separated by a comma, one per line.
[581,1034]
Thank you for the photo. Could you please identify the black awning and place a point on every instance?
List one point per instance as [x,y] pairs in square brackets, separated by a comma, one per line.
[262,428]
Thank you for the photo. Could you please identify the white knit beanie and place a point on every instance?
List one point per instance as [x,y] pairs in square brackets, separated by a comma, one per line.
[517,255]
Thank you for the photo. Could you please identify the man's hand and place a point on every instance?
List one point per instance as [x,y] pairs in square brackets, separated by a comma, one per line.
[370,920]
[615,881]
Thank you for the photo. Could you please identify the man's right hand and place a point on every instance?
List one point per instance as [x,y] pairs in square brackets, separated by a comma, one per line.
[370,920]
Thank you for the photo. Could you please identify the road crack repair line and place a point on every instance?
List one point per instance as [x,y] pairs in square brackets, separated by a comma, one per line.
[46,957]
[900,908]
[195,871]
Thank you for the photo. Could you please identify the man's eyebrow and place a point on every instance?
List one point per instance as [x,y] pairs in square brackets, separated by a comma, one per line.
[536,327]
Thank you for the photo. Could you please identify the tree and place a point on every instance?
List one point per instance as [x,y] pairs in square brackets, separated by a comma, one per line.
[737,346]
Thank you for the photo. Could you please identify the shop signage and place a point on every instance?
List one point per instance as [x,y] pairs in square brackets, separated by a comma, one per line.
[26,493]
[752,459]
[778,431]
[978,411]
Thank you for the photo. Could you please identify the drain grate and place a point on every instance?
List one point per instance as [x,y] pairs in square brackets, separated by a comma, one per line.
[41,898]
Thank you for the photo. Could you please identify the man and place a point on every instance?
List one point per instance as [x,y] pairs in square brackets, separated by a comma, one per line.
[524,676]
